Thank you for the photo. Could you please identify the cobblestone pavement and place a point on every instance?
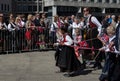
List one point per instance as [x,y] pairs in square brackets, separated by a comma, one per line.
[37,66]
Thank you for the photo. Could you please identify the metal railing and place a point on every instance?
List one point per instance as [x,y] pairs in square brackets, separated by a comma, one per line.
[25,40]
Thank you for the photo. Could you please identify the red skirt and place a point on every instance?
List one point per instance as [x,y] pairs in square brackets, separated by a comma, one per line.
[28,35]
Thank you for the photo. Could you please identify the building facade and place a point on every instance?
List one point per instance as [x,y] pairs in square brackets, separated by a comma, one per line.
[69,7]
[27,6]
[60,7]
[5,6]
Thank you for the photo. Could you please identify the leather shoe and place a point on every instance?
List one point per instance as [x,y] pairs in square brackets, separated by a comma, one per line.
[72,74]
[67,75]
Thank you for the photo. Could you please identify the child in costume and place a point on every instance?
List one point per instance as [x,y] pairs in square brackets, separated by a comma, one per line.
[111,51]
[65,56]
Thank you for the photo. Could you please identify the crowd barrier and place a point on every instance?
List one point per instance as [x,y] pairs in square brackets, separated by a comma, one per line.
[25,40]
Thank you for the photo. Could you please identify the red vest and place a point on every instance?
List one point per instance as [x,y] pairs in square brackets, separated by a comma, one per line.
[64,38]
[92,25]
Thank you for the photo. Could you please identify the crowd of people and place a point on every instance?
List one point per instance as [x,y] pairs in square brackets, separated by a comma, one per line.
[89,39]
[76,40]
[23,33]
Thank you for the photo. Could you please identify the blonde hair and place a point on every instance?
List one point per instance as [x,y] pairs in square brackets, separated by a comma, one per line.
[17,18]
[30,17]
[110,30]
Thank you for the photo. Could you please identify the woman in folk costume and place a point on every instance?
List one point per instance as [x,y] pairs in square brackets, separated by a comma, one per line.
[65,56]
[110,55]
[93,31]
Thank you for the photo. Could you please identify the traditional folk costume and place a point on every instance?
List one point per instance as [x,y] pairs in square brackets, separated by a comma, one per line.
[109,62]
[94,30]
[116,72]
[77,40]
[65,56]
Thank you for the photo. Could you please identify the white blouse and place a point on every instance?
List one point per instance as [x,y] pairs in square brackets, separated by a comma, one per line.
[74,26]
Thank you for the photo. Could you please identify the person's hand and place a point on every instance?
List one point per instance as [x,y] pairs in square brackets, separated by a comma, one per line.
[101,49]
[55,44]
[111,46]
[98,36]
[61,43]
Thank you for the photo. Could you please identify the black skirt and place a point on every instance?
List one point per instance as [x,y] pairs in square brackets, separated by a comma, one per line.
[93,42]
[66,58]
[116,73]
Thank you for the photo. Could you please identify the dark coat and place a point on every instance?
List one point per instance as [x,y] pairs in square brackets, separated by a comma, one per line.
[117,37]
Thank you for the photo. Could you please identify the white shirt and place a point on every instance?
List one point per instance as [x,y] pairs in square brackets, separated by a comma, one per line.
[82,24]
[74,26]
[22,23]
[68,41]
[117,24]
[77,39]
[3,24]
[10,27]
[106,48]
[53,26]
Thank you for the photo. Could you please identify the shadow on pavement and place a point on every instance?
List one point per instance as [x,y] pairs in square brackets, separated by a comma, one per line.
[77,73]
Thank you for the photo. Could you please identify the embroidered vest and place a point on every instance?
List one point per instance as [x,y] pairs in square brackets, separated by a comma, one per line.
[91,24]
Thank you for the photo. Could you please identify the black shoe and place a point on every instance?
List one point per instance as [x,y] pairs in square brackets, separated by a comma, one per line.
[67,75]
[71,74]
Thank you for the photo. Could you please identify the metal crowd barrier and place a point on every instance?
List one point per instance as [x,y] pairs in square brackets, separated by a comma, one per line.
[25,40]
